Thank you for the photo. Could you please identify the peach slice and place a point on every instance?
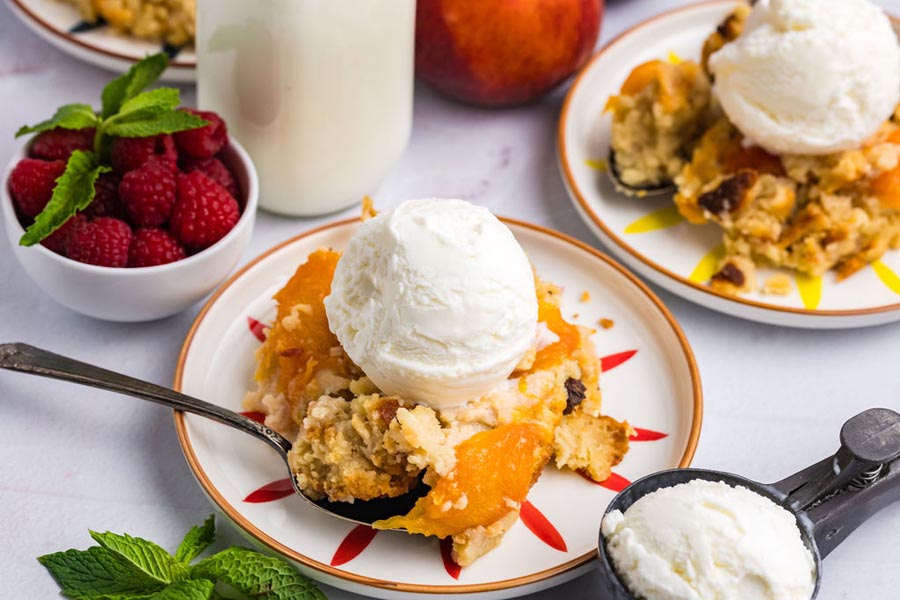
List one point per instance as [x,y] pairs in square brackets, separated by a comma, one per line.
[300,342]
[494,471]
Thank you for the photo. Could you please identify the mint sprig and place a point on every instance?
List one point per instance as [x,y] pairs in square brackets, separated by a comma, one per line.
[131,83]
[68,116]
[74,191]
[123,567]
[257,575]
[196,541]
[128,111]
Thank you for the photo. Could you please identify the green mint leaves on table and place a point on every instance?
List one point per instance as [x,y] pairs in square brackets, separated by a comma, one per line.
[128,111]
[129,568]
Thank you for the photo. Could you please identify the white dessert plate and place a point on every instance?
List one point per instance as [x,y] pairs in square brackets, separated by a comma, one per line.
[651,380]
[650,237]
[98,44]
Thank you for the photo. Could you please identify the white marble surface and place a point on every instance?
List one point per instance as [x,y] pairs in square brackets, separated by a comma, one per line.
[79,460]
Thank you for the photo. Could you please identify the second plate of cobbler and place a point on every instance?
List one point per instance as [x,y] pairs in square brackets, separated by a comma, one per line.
[510,377]
[774,213]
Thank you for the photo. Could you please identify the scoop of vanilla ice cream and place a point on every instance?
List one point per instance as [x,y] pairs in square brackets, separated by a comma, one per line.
[705,539]
[435,301]
[809,76]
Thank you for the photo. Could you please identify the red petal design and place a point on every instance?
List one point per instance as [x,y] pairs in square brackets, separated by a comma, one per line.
[271,492]
[647,435]
[453,569]
[614,482]
[541,527]
[259,417]
[614,360]
[257,329]
[353,544]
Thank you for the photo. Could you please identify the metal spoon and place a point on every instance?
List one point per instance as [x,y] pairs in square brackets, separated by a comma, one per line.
[35,361]
[830,498]
[645,191]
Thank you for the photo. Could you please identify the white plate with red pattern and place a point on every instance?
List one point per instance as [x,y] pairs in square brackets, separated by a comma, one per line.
[650,379]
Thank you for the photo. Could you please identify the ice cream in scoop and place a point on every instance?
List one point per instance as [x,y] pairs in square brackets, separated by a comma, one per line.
[809,76]
[435,301]
[706,539]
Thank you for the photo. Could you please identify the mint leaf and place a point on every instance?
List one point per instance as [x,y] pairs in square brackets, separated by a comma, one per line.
[73,192]
[164,123]
[69,116]
[146,556]
[161,99]
[257,575]
[196,589]
[196,540]
[144,73]
[97,573]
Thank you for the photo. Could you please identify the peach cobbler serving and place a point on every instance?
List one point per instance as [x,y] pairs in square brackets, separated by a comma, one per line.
[430,354]
[786,135]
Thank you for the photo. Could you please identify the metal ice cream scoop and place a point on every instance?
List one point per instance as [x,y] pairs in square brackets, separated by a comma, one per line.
[35,361]
[830,499]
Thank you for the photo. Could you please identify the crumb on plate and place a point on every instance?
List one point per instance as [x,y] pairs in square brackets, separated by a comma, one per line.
[778,285]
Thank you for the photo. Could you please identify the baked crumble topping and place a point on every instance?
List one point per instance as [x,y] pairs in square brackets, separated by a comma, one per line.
[812,214]
[478,460]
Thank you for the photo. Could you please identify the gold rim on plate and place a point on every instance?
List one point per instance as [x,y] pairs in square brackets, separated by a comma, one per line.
[599,223]
[268,541]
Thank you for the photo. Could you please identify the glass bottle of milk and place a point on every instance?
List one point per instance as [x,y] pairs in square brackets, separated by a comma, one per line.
[319,92]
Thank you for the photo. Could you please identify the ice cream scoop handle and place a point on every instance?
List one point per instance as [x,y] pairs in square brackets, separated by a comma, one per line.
[35,361]
[842,491]
[836,518]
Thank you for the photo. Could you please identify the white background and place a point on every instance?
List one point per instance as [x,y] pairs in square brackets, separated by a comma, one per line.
[74,459]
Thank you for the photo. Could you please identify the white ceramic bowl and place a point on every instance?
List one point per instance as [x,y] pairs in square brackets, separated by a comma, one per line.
[141,294]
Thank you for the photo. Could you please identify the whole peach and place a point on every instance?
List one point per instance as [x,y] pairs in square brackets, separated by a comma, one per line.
[503,52]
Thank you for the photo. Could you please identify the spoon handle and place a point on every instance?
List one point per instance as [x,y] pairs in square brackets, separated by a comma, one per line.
[35,361]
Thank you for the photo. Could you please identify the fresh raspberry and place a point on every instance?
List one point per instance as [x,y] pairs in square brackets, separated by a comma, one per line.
[216,170]
[148,194]
[58,241]
[151,247]
[104,242]
[203,142]
[131,153]
[31,183]
[204,212]
[58,144]
[106,198]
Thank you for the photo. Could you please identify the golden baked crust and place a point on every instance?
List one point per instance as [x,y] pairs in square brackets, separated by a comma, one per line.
[660,111]
[727,30]
[811,214]
[171,21]
[479,460]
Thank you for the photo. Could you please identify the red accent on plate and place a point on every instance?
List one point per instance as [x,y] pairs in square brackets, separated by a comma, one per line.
[271,492]
[541,527]
[614,482]
[259,417]
[647,435]
[453,569]
[353,544]
[257,329]
[614,360]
